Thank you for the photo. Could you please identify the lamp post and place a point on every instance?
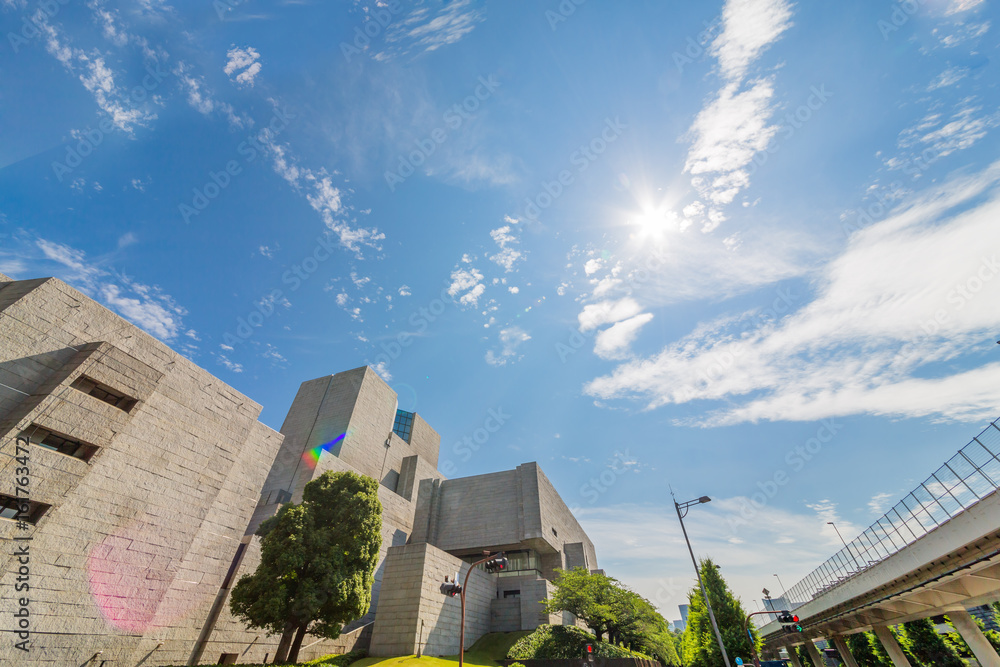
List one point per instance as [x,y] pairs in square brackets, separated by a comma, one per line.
[784,600]
[697,570]
[497,563]
[845,543]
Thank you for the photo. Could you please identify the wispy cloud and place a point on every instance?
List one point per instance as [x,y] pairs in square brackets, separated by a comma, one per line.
[511,339]
[146,306]
[893,305]
[97,78]
[733,127]
[429,27]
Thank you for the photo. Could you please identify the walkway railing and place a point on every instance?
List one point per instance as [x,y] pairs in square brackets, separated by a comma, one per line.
[965,479]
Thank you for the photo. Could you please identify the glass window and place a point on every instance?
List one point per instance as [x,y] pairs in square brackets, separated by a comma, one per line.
[10,508]
[403,426]
[104,393]
[60,443]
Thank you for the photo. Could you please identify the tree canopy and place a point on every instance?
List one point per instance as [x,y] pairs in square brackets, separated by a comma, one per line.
[700,647]
[608,607]
[317,564]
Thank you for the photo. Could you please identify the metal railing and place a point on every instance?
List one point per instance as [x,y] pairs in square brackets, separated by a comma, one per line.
[965,479]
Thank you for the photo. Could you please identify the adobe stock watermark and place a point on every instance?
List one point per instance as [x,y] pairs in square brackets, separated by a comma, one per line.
[874,212]
[563,11]
[898,17]
[595,487]
[219,180]
[696,45]
[782,304]
[294,276]
[581,158]
[793,122]
[796,459]
[419,319]
[469,444]
[32,23]
[374,25]
[88,140]
[453,119]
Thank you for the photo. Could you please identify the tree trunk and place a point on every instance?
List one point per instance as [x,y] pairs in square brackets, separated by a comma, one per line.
[281,655]
[293,654]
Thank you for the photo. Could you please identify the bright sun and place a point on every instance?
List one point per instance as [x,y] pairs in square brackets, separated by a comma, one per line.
[654,223]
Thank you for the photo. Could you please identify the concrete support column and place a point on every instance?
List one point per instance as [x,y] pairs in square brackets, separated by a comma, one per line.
[892,646]
[815,655]
[974,637]
[793,656]
[845,653]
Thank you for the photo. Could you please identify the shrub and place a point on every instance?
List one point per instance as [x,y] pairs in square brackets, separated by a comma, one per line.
[562,642]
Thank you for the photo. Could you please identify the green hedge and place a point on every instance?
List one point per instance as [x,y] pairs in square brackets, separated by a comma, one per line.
[561,642]
[333,659]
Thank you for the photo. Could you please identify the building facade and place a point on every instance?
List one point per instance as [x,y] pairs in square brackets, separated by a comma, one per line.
[147,478]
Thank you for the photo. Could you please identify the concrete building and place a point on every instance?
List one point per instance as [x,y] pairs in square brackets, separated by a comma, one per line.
[148,478]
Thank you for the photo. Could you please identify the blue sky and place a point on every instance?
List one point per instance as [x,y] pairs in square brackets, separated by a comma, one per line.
[670,242]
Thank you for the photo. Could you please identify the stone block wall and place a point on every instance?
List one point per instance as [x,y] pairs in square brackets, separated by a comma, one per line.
[414,615]
[140,536]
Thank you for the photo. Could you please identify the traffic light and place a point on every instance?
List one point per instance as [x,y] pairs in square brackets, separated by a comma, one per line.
[784,616]
[497,564]
[451,587]
[588,652]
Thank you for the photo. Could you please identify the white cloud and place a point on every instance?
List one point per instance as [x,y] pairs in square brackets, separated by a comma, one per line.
[245,59]
[750,26]
[728,133]
[468,281]
[949,77]
[959,6]
[906,294]
[511,338]
[98,79]
[508,255]
[879,503]
[268,251]
[383,370]
[231,365]
[429,27]
[613,342]
[405,291]
[325,199]
[202,101]
[151,314]
[607,312]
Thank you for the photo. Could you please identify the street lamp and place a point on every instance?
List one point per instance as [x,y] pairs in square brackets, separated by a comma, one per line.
[845,543]
[784,600]
[708,603]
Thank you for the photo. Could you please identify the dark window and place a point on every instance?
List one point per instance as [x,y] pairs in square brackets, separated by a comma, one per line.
[103,392]
[554,532]
[512,594]
[229,658]
[62,444]
[403,426]
[21,509]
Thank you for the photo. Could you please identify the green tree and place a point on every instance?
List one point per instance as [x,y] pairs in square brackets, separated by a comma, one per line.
[317,563]
[860,645]
[700,646]
[588,596]
[927,646]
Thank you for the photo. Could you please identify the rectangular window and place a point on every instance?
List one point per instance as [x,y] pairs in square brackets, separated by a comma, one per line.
[11,508]
[403,426]
[103,392]
[62,444]
[512,594]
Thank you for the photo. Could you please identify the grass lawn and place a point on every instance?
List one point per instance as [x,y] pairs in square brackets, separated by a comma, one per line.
[484,653]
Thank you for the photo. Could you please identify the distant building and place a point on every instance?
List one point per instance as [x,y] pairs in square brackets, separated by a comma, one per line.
[147,478]
[678,625]
[684,613]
